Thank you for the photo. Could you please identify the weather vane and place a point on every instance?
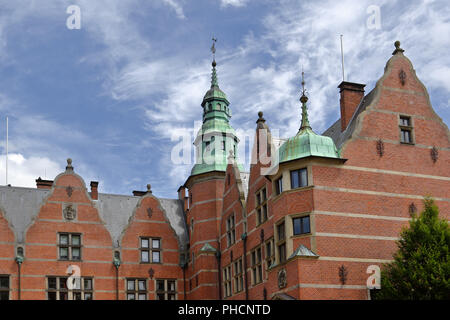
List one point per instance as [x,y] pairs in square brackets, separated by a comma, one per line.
[213,48]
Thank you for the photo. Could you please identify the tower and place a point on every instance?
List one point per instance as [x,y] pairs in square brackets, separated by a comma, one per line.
[215,140]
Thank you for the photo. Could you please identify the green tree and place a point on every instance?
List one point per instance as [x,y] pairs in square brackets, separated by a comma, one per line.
[421,267]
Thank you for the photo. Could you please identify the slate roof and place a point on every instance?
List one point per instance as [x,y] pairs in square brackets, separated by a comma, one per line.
[334,132]
[20,206]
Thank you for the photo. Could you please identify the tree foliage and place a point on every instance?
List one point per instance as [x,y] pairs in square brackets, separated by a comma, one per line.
[421,267]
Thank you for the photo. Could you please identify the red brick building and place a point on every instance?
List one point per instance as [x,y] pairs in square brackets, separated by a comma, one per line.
[305,225]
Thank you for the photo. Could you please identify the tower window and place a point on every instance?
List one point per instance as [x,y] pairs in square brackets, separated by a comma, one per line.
[279,186]
[231,232]
[301,225]
[261,206]
[238,276]
[406,130]
[270,253]
[256,266]
[227,281]
[281,242]
[299,178]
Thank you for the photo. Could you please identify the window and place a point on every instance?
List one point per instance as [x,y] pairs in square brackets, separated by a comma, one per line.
[281,242]
[4,288]
[231,233]
[301,225]
[238,276]
[406,130]
[227,281]
[150,250]
[270,253]
[223,145]
[256,266]
[57,289]
[261,206]
[166,289]
[299,178]
[69,246]
[136,289]
[279,186]
[207,143]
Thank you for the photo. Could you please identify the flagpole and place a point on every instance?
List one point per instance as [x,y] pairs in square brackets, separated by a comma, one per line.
[6,150]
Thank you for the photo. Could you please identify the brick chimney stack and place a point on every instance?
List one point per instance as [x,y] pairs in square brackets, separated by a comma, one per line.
[351,96]
[43,184]
[94,190]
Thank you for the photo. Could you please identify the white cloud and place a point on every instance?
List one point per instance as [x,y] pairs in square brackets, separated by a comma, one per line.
[233,3]
[177,7]
[24,171]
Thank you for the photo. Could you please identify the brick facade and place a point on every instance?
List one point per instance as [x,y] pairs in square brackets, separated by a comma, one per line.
[356,204]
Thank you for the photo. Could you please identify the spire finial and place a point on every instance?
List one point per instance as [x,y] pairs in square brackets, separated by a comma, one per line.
[214,82]
[397,48]
[303,100]
[69,166]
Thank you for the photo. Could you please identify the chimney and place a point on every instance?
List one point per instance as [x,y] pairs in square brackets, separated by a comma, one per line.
[94,190]
[351,95]
[43,184]
[183,198]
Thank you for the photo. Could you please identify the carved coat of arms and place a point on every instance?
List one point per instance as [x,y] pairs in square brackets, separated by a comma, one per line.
[70,213]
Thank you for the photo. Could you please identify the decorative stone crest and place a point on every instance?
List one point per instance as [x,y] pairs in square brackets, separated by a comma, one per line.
[69,190]
[282,279]
[380,147]
[149,212]
[402,77]
[412,208]
[69,212]
[434,153]
[343,272]
[151,273]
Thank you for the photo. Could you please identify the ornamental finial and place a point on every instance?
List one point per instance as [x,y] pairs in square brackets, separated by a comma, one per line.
[303,100]
[214,82]
[397,48]
[149,188]
[69,164]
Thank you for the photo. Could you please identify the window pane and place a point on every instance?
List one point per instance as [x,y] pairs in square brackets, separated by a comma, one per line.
[63,239]
[156,256]
[63,296]
[304,177]
[141,285]
[171,297]
[88,296]
[63,283]
[142,296]
[4,282]
[76,283]
[258,199]
[130,285]
[144,256]
[76,240]
[87,284]
[131,296]
[264,217]
[171,286]
[281,231]
[77,296]
[160,285]
[160,296]
[294,179]
[264,197]
[155,243]
[297,225]
[52,283]
[51,295]
[305,225]
[76,254]
[144,243]
[63,253]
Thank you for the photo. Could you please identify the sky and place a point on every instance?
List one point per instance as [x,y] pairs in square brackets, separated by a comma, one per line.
[116,94]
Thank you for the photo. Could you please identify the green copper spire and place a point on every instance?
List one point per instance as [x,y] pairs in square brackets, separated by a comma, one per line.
[306,142]
[303,100]
[216,138]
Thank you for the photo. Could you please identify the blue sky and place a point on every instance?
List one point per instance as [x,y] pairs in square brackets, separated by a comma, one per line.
[114,95]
